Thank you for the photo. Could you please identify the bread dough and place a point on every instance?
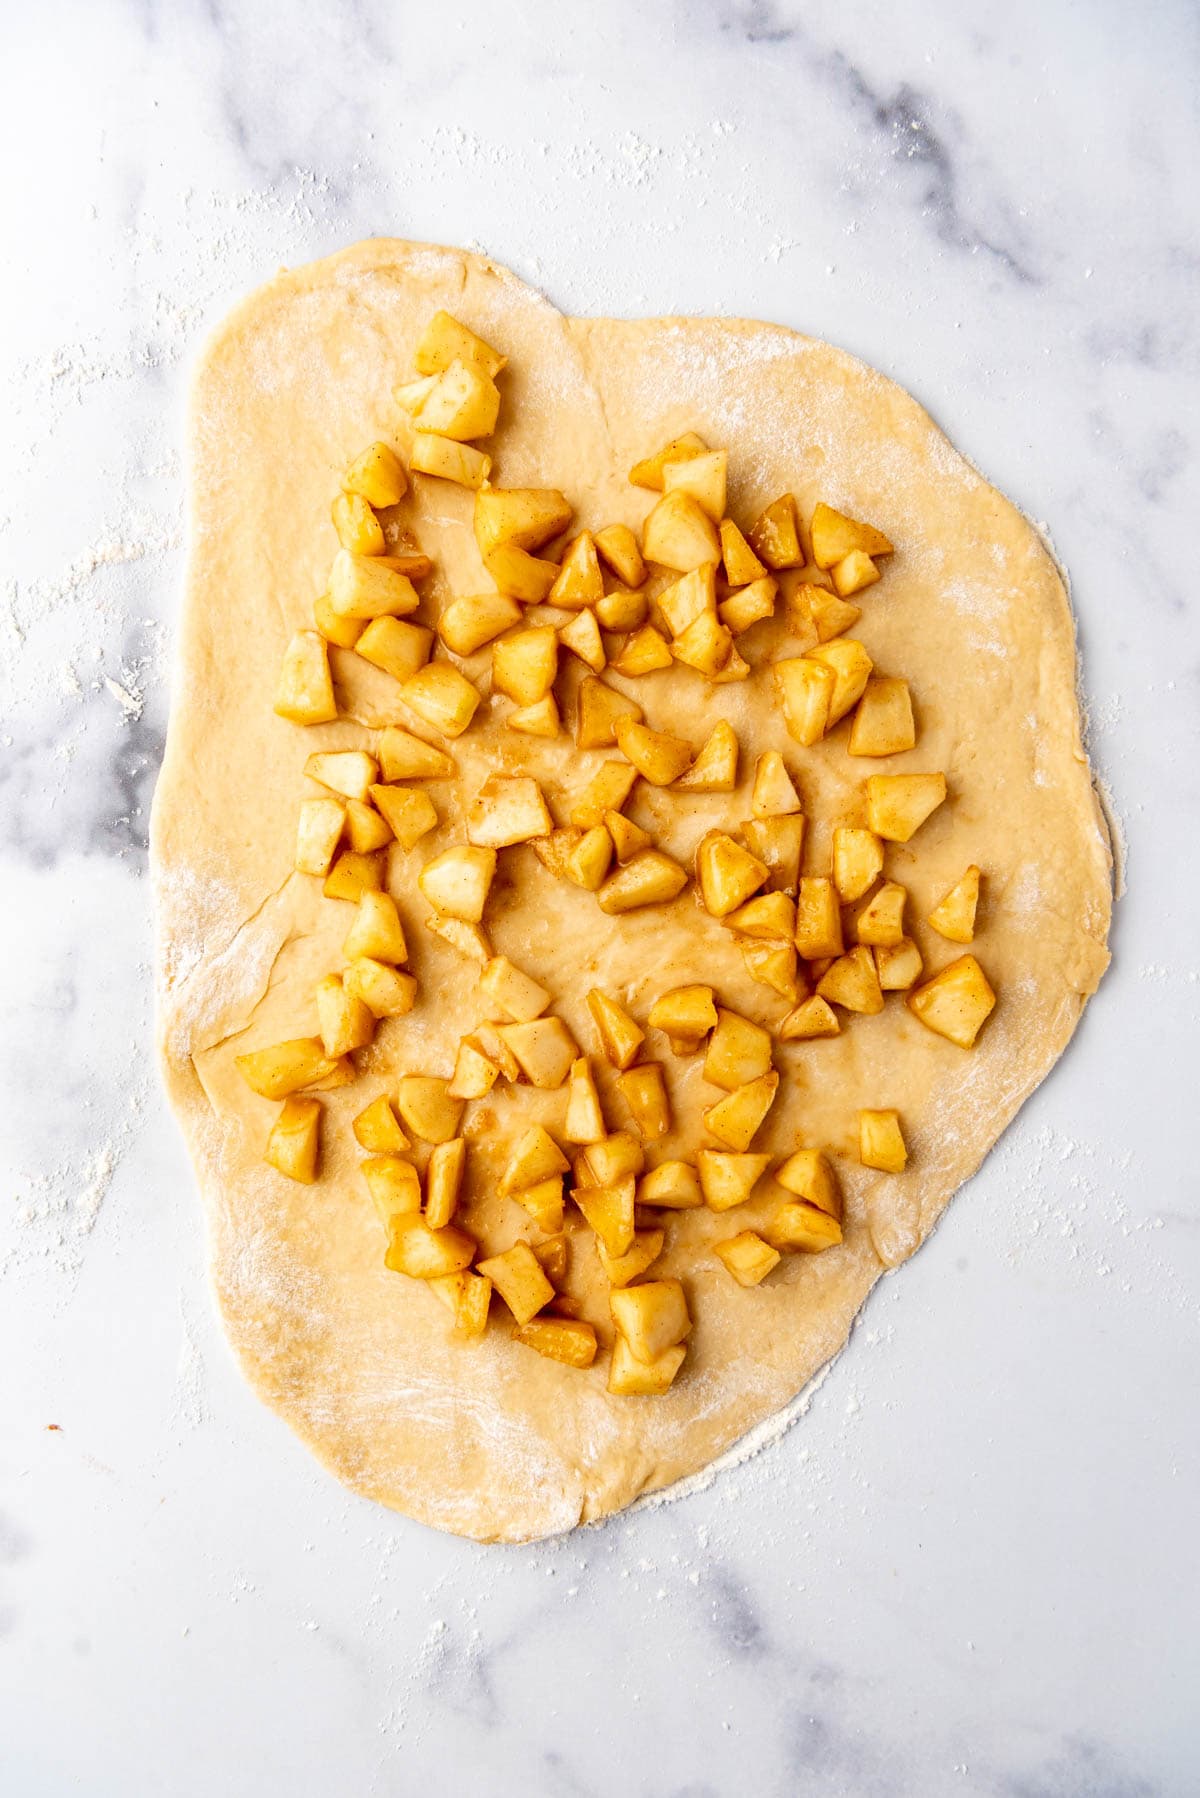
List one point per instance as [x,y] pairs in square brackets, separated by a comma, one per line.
[486,1438]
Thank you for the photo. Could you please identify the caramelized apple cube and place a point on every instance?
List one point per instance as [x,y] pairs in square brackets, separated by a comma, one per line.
[305,691]
[544,1048]
[777,843]
[566,1339]
[424,1254]
[475,1073]
[750,605]
[582,637]
[774,794]
[747,1257]
[672,1186]
[518,1277]
[727,874]
[609,1211]
[609,1161]
[686,1012]
[646,651]
[881,1141]
[447,460]
[318,833]
[775,534]
[579,581]
[446,340]
[378,475]
[366,587]
[463,404]
[601,709]
[587,860]
[703,478]
[881,920]
[727,1180]
[652,1317]
[349,772]
[630,1378]
[467,939]
[394,1185]
[853,573]
[954,915]
[358,529]
[706,645]
[767,918]
[622,610]
[535,1158]
[366,830]
[818,920]
[620,1037]
[898,804]
[427,1108]
[835,536]
[443,1181]
[850,666]
[808,1175]
[618,546]
[852,982]
[384,991]
[645,1093]
[405,757]
[507,809]
[803,1229]
[468,623]
[628,839]
[519,997]
[472,1301]
[540,719]
[294,1145]
[519,575]
[739,1051]
[622,1270]
[456,883]
[658,757]
[649,879]
[813,1017]
[345,1022]
[773,965]
[527,517]
[715,767]
[805,690]
[883,723]
[377,1129]
[898,965]
[344,632]
[584,1120]
[857,862]
[736,1119]
[544,1203]
[956,1003]
[680,534]
[649,473]
[443,697]
[353,874]
[742,566]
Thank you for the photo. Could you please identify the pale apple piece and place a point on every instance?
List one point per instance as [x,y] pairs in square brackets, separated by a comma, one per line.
[456,883]
[294,1145]
[443,1181]
[818,920]
[628,839]
[566,1339]
[813,1017]
[802,1229]
[579,581]
[365,829]
[702,478]
[857,862]
[649,879]
[835,536]
[554,850]
[464,404]
[852,982]
[777,842]
[715,768]
[735,1120]
[881,1141]
[344,632]
[381,988]
[727,874]
[540,719]
[644,1091]
[519,1278]
[768,918]
[954,915]
[378,475]
[853,573]
[518,995]
[582,637]
[622,1270]
[898,965]
[622,610]
[956,1003]
[377,1129]
[850,665]
[601,709]
[775,534]
[588,859]
[680,534]
[544,1048]
[657,756]
[831,616]
[536,1157]
[405,757]
[585,1119]
[614,1158]
[410,396]
[805,689]
[618,547]
[507,809]
[394,1185]
[443,697]
[427,1108]
[883,723]
[808,1174]
[318,833]
[649,473]
[442,457]
[645,652]
[773,965]
[304,694]
[737,668]
[706,645]
[750,605]
[475,1073]
[366,587]
[357,527]
[774,794]
[522,576]
[468,623]
[353,874]
[687,1012]
[652,1317]
[445,340]
[349,772]
[424,1254]
[742,566]
[609,1210]
[739,1051]
[467,938]
[881,920]
[526,517]
[630,1378]
[692,596]
[672,1186]
[747,1257]
[344,1021]
[544,1203]
[898,804]
[727,1180]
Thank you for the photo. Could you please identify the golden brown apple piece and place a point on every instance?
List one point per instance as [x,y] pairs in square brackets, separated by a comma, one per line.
[680,534]
[652,1317]
[620,1037]
[658,757]
[447,460]
[775,535]
[808,1174]
[853,573]
[685,1014]
[475,1073]
[467,624]
[898,804]
[584,1121]
[831,617]
[773,965]
[394,1185]
[566,1339]
[384,991]
[805,690]
[349,772]
[818,919]
[294,1145]
[457,882]
[835,536]
[735,1120]
[378,475]
[881,1141]
[540,719]
[850,666]
[954,915]
[649,473]
[883,723]
[623,1270]
[727,873]
[956,1003]
[857,862]
[579,581]
[518,1277]
[544,1048]
[352,875]
[536,1157]
[424,1254]
[728,1179]
[610,1212]
[898,965]
[813,1017]
[881,919]
[774,794]
[517,995]
[672,1185]
[443,697]
[345,1022]
[443,1181]
[405,757]
[630,1378]
[747,1257]
[427,1109]
[715,767]
[582,637]
[410,813]
[507,809]
[621,610]
[526,517]
[802,1228]
[618,547]
[358,529]
[749,605]
[628,839]
[739,1051]
[367,587]
[521,576]
[601,707]
[318,832]
[777,843]
[645,1093]
[742,566]
[646,651]
[649,879]
[445,340]
[377,1129]
[767,918]
[702,478]
[305,691]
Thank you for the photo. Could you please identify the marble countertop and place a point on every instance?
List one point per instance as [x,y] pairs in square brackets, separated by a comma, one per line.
[971,1567]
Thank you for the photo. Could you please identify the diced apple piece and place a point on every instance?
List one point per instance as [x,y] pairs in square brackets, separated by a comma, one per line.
[657,756]
[507,809]
[535,1158]
[353,874]
[579,581]
[540,719]
[851,982]
[544,1048]
[520,1280]
[345,1022]
[378,475]
[464,404]
[812,1018]
[649,879]
[728,874]
[523,577]
[881,1141]
[808,1175]
[622,610]
[898,965]
[609,1161]
[443,697]
[803,1229]
[357,527]
[345,632]
[628,839]
[883,723]
[650,472]
[881,920]
[652,1317]
[588,859]
[739,1051]
[405,757]
[609,1210]
[954,915]
[702,478]
[468,623]
[772,965]
[519,997]
[365,829]
[294,1145]
[692,596]
[456,883]
[446,341]
[777,842]
[818,920]
[582,637]
[735,669]
[524,665]
[672,1186]
[305,691]
[565,1339]
[394,1185]
[467,938]
[645,1093]
[805,690]
[366,587]
[424,1254]
[898,804]
[630,1378]
[706,645]
[620,1037]
[750,605]
[775,534]
[318,833]
[956,1002]
[686,1012]
[679,534]
[769,917]
[747,1257]
[618,546]
[442,457]
[472,1297]
[831,616]
[850,665]
[735,1120]
[742,566]
[377,1129]
[622,1270]
[774,794]
[853,573]
[835,536]
[526,517]
[606,792]
[544,1203]
[554,851]
[410,814]
[857,862]
[584,1119]
[384,991]
[443,1181]
[346,771]
[475,1073]
[427,1108]
[646,651]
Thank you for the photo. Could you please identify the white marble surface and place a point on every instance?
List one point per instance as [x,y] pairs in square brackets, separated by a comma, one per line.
[972,1567]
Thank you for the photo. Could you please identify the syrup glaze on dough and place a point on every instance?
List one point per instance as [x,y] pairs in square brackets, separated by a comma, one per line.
[486,1438]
